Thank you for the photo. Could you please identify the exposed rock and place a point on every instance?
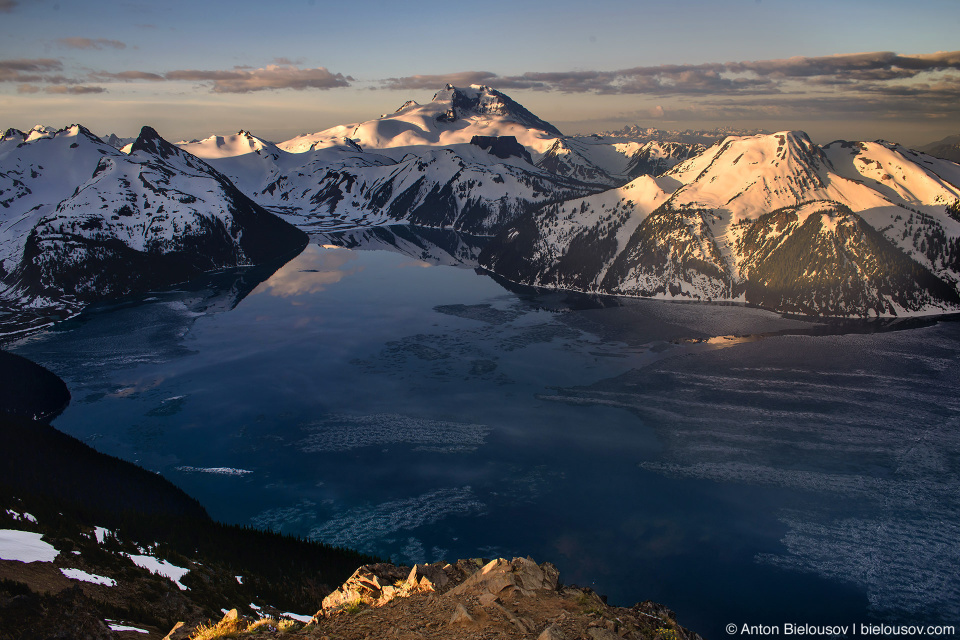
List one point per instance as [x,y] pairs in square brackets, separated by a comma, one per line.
[551,633]
[426,578]
[371,584]
[502,577]
[487,599]
[171,634]
[602,634]
[474,600]
[461,616]
[502,146]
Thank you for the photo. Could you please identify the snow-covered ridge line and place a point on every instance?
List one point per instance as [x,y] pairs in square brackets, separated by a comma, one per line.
[619,213]
[82,221]
[849,229]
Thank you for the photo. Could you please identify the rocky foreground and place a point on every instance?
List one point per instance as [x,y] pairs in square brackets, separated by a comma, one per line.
[467,600]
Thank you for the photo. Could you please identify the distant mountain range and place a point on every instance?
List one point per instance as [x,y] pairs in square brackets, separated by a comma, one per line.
[847,229]
[946,149]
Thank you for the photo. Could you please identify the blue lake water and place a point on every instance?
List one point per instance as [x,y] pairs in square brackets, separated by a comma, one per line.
[382,401]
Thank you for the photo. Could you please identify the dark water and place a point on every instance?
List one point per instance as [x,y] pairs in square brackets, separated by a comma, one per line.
[369,399]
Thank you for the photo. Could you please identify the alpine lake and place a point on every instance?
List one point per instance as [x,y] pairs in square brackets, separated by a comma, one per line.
[737,465]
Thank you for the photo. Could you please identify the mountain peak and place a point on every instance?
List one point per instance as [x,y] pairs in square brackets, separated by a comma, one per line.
[481,100]
[150,141]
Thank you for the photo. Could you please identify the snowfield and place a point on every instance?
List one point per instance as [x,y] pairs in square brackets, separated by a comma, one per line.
[25,546]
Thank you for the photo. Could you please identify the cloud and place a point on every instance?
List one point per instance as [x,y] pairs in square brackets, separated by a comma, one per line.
[760,77]
[75,89]
[28,88]
[272,77]
[461,79]
[127,76]
[36,64]
[88,43]
[29,70]
[236,80]
[6,6]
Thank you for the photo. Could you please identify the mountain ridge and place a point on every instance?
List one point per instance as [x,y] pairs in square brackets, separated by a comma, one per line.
[84,222]
[684,238]
[617,214]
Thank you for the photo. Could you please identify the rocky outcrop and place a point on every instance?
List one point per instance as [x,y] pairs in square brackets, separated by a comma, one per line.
[502,146]
[477,599]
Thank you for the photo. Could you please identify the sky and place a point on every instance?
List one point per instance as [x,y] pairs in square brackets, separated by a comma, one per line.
[850,69]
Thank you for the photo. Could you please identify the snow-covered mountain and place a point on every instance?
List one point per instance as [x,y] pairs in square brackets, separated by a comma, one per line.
[82,221]
[241,143]
[772,219]
[454,116]
[467,174]
[775,220]
[465,160]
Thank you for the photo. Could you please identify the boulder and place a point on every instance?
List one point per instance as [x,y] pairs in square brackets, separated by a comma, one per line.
[372,584]
[502,577]
[552,632]
[426,577]
[461,616]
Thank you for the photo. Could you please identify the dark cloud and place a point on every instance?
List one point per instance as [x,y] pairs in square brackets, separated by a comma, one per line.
[272,77]
[762,77]
[27,70]
[6,6]
[37,64]
[90,43]
[461,79]
[127,76]
[883,65]
[75,89]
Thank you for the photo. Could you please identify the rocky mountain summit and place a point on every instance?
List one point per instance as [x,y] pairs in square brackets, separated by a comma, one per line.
[467,600]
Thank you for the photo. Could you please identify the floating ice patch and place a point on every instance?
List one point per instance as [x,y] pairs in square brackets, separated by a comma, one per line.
[342,433]
[363,527]
[25,546]
[180,307]
[160,568]
[482,312]
[220,471]
[83,576]
[277,519]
